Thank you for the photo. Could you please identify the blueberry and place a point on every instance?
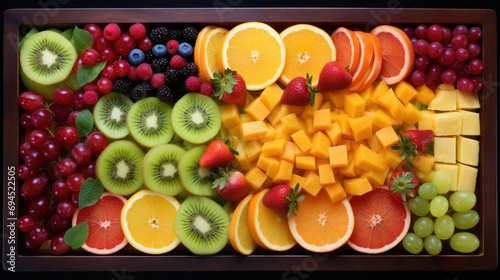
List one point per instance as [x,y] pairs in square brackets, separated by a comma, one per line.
[136,56]
[185,49]
[159,50]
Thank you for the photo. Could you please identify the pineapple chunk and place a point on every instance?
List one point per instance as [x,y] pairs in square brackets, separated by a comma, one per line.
[470,123]
[452,171]
[445,100]
[467,151]
[445,149]
[447,123]
[467,176]
[468,101]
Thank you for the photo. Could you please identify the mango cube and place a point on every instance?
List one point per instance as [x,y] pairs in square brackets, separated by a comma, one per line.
[257,109]
[253,150]
[253,130]
[338,156]
[412,115]
[284,172]
[290,123]
[424,162]
[230,115]
[289,151]
[326,175]
[271,96]
[361,127]
[322,119]
[387,136]
[301,139]
[274,148]
[334,133]
[380,89]
[354,104]
[357,186]
[311,182]
[391,157]
[367,159]
[306,162]
[256,177]
[405,91]
[335,191]
[320,143]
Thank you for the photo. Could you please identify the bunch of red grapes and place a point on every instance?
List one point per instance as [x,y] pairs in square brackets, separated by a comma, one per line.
[446,56]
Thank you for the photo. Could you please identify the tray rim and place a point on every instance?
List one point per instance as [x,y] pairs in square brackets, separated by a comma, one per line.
[486,259]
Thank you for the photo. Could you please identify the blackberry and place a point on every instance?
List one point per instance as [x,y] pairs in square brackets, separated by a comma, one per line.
[175,33]
[122,85]
[141,91]
[190,69]
[172,75]
[159,64]
[159,35]
[165,94]
[189,35]
[148,57]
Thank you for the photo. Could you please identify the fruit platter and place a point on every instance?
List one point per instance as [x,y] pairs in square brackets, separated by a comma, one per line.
[250,139]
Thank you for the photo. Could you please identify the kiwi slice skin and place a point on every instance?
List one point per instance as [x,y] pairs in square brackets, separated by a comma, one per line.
[202,225]
[196,118]
[119,167]
[47,57]
[149,122]
[160,169]
[195,179]
[110,114]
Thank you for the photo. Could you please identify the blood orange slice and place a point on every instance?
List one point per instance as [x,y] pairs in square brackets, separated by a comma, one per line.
[105,232]
[366,57]
[397,52]
[380,222]
[347,46]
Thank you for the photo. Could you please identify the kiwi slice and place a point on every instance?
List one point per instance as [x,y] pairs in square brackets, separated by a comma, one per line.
[196,179]
[110,114]
[202,225]
[196,118]
[149,122]
[160,169]
[119,167]
[47,57]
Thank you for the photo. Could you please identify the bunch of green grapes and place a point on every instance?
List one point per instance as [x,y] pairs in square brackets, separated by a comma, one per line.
[442,215]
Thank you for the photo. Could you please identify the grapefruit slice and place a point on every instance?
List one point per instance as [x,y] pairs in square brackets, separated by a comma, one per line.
[347,47]
[320,225]
[375,66]
[397,52]
[380,222]
[366,57]
[105,232]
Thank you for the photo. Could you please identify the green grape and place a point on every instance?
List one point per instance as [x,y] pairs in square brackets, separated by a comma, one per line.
[465,220]
[444,227]
[433,245]
[423,227]
[464,242]
[461,201]
[427,190]
[438,206]
[442,181]
[413,243]
[418,206]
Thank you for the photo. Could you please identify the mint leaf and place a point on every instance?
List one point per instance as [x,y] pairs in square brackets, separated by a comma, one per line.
[87,74]
[84,122]
[90,192]
[76,236]
[81,39]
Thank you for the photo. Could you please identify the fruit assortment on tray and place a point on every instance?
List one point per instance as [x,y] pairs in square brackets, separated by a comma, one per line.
[159,136]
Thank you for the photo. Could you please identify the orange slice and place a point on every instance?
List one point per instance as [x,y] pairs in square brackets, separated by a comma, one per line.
[269,229]
[208,56]
[375,66]
[197,46]
[256,51]
[366,50]
[347,46]
[397,52]
[239,234]
[148,222]
[320,225]
[308,49]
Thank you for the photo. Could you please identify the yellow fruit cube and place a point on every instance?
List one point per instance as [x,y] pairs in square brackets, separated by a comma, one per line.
[405,91]
[253,150]
[306,162]
[244,118]
[467,177]
[325,105]
[445,149]
[256,177]
[412,115]
[301,139]
[257,109]
[263,162]
[424,162]
[361,127]
[452,171]
[376,178]
[290,123]
[350,171]
[424,94]
[367,95]
[284,172]
[276,114]
[309,125]
[273,166]
[335,191]
[338,156]
[337,97]
[468,101]
[387,136]
[380,89]
[343,121]
[280,133]
[444,100]
[322,119]
[311,182]
[374,144]
[271,95]
[334,133]
[274,148]
[470,123]
[326,175]
[391,157]
[447,123]
[270,134]
[382,118]
[289,151]
[427,120]
[366,159]
[253,130]
[397,110]
[230,115]
[467,151]
[241,158]
[296,179]
[357,186]
[354,104]
[308,111]
[320,143]
[387,99]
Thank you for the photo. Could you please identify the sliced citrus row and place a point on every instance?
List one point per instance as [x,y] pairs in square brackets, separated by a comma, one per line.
[103,218]
[256,51]
[366,56]
[239,233]
[397,52]
[308,49]
[269,229]
[198,50]
[320,225]
[364,80]
[208,58]
[347,47]
[147,221]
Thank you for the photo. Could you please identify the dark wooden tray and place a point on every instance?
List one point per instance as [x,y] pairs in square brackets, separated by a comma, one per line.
[17,21]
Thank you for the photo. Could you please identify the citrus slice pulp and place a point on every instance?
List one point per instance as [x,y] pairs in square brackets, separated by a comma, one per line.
[347,47]
[375,65]
[239,234]
[366,57]
[208,56]
[197,51]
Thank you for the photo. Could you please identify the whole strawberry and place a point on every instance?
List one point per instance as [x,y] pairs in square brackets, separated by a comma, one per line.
[413,141]
[282,199]
[404,184]
[218,154]
[230,87]
[334,76]
[231,184]
[299,92]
